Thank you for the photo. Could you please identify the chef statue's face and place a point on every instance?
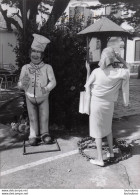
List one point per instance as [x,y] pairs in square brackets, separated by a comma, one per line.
[36,56]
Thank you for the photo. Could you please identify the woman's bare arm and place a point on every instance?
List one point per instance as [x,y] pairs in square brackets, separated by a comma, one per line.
[88,70]
[125,64]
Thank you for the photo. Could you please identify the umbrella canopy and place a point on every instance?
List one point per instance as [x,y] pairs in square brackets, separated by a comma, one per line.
[104,26]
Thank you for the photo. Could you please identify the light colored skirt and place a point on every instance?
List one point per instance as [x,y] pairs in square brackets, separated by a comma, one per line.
[100,120]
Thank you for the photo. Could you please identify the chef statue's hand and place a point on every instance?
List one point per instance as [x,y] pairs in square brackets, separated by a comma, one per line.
[118,56]
[127,106]
[25,81]
[44,90]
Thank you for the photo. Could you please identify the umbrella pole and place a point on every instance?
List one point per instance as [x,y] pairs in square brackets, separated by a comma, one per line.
[125,47]
[87,59]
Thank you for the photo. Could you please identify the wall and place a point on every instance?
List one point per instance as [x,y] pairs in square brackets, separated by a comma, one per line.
[94,50]
[130,57]
[130,50]
[7,55]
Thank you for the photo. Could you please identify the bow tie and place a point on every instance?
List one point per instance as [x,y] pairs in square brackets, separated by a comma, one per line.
[35,68]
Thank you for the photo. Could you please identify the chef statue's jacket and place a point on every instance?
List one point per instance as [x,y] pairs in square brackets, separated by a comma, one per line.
[40,76]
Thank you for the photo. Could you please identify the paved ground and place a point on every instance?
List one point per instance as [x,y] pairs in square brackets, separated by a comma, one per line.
[67,168]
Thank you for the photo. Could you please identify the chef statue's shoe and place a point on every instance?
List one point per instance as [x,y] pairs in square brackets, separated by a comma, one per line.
[46,138]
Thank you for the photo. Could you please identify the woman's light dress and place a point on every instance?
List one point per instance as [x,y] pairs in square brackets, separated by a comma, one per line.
[105,89]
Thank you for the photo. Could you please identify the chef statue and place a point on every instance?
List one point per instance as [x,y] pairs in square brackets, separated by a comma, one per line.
[37,80]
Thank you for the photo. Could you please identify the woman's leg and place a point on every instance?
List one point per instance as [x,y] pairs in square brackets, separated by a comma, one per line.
[99,148]
[110,143]
[99,161]
[110,138]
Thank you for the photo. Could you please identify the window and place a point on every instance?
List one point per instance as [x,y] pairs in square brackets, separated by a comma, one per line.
[137,50]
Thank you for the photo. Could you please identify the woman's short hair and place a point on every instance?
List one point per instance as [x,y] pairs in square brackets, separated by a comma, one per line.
[107,57]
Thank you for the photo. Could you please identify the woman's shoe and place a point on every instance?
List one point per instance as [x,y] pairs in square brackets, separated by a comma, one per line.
[97,162]
[110,155]
[33,141]
[46,138]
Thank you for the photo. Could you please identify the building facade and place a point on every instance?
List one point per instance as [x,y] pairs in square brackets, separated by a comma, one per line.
[80,10]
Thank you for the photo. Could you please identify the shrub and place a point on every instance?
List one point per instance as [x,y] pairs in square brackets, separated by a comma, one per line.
[67,55]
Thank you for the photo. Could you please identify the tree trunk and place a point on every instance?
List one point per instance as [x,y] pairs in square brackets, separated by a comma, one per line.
[58,8]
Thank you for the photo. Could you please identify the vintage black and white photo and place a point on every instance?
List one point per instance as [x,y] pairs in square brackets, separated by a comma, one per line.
[69,95]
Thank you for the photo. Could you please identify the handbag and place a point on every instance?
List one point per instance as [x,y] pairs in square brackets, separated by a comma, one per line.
[84,102]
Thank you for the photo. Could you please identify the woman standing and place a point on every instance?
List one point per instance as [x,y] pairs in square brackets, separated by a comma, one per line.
[37,80]
[106,82]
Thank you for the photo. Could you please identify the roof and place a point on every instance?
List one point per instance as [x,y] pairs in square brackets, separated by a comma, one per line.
[103,25]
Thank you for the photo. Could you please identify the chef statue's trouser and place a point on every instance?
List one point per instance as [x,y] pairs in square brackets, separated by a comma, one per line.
[38,111]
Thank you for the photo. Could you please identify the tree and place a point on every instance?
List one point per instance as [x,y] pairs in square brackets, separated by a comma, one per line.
[27,12]
[130,8]
[68,55]
[31,7]
[58,8]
